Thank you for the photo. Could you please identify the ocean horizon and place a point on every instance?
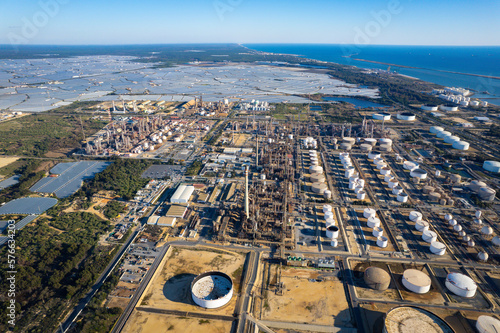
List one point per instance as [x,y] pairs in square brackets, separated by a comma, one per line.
[476,68]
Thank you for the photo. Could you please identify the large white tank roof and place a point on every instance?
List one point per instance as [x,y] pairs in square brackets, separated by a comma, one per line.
[438,248]
[461,145]
[416,281]
[487,324]
[408,319]
[492,166]
[461,285]
[415,216]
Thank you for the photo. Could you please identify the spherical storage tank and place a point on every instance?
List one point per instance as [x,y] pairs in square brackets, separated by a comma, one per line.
[408,319]
[491,166]
[416,281]
[212,290]
[461,285]
[487,324]
[487,230]
[376,278]
[407,116]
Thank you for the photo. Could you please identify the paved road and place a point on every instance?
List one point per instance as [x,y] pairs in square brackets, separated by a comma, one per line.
[251,274]
[84,301]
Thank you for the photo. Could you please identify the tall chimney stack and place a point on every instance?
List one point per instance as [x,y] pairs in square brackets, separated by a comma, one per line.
[247,209]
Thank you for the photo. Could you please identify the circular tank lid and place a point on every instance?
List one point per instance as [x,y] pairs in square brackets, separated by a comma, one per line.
[461,281]
[417,278]
[488,324]
[406,319]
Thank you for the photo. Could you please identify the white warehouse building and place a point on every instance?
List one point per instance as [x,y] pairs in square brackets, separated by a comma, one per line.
[182,194]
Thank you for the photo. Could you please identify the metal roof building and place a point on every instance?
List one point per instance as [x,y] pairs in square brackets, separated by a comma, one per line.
[182,194]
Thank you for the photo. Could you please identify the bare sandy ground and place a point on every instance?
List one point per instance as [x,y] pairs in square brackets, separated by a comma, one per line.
[4,161]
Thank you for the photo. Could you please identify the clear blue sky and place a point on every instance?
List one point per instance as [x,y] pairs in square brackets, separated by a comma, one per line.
[411,22]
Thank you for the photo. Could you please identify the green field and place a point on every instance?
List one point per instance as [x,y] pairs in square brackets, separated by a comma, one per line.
[37,134]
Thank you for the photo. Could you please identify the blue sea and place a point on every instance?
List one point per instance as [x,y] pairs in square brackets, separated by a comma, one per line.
[433,62]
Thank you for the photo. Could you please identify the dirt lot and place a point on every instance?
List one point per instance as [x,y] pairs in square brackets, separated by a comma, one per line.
[322,303]
[4,161]
[170,288]
[142,322]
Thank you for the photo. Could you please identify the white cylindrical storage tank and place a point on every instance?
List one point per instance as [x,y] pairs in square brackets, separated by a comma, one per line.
[491,166]
[358,189]
[373,222]
[349,173]
[487,230]
[466,238]
[332,232]
[387,178]
[438,248]
[393,183]
[476,185]
[448,217]
[371,142]
[487,324]
[422,226]
[419,173]
[316,169]
[416,281]
[334,242]
[329,215]
[380,166]
[345,146]
[496,241]
[349,140]
[378,160]
[385,171]
[382,241]
[436,129]
[361,195]
[365,147]
[212,290]
[319,188]
[402,197]
[442,134]
[361,182]
[406,116]
[461,145]
[483,256]
[369,212]
[487,194]
[448,108]
[327,208]
[352,186]
[429,236]
[327,194]
[478,214]
[429,108]
[457,228]
[374,155]
[329,221]
[353,179]
[461,285]
[385,141]
[378,232]
[450,139]
[415,216]
[408,165]
[438,173]
[397,190]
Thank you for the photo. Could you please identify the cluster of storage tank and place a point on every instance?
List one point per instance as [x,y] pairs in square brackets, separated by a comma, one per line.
[484,192]
[428,236]
[449,138]
[347,143]
[317,177]
[332,231]
[309,143]
[388,178]
[355,183]
[374,223]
